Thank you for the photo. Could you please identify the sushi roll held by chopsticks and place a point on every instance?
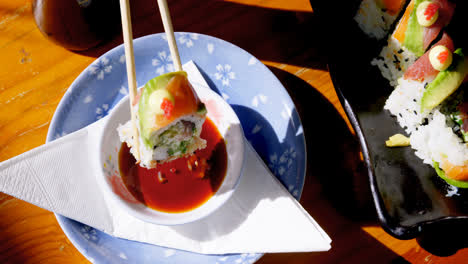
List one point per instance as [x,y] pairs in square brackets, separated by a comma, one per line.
[166,114]
[170,117]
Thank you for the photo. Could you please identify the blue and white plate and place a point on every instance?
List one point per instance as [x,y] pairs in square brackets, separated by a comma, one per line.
[267,113]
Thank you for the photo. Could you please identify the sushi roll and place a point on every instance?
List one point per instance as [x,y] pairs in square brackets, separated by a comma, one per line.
[443,142]
[375,17]
[405,101]
[170,118]
[431,103]
[419,26]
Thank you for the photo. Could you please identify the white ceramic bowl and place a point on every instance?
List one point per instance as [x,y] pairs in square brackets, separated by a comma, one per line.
[110,181]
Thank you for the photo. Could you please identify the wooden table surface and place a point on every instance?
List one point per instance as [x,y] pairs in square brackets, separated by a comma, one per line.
[285,36]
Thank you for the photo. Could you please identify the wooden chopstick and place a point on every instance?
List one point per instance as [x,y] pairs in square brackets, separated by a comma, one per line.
[167,23]
[131,75]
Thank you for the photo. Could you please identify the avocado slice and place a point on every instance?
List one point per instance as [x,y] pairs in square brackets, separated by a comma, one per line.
[445,83]
[153,92]
[414,33]
[441,173]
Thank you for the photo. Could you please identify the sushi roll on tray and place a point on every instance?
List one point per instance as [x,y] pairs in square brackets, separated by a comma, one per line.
[420,25]
[430,102]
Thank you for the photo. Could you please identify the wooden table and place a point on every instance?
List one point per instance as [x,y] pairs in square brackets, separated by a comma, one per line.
[284,35]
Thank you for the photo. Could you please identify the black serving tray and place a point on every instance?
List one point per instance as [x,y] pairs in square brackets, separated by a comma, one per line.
[411,201]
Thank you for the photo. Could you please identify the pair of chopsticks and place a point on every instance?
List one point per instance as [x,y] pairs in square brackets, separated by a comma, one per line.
[130,57]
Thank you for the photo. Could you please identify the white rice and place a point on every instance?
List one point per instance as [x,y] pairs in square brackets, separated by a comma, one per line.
[436,141]
[393,60]
[405,103]
[433,141]
[373,20]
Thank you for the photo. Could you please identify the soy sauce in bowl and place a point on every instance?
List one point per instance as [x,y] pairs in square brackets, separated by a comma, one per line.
[180,185]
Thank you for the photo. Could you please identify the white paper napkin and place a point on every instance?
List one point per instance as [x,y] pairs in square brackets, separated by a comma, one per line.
[260,217]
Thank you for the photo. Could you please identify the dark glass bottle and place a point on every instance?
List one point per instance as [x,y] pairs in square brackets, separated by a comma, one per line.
[77,24]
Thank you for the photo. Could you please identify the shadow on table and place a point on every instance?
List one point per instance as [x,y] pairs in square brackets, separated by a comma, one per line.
[287,33]
[444,239]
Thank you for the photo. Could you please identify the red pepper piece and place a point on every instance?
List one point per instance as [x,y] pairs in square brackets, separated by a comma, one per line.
[167,107]
[430,11]
[442,57]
